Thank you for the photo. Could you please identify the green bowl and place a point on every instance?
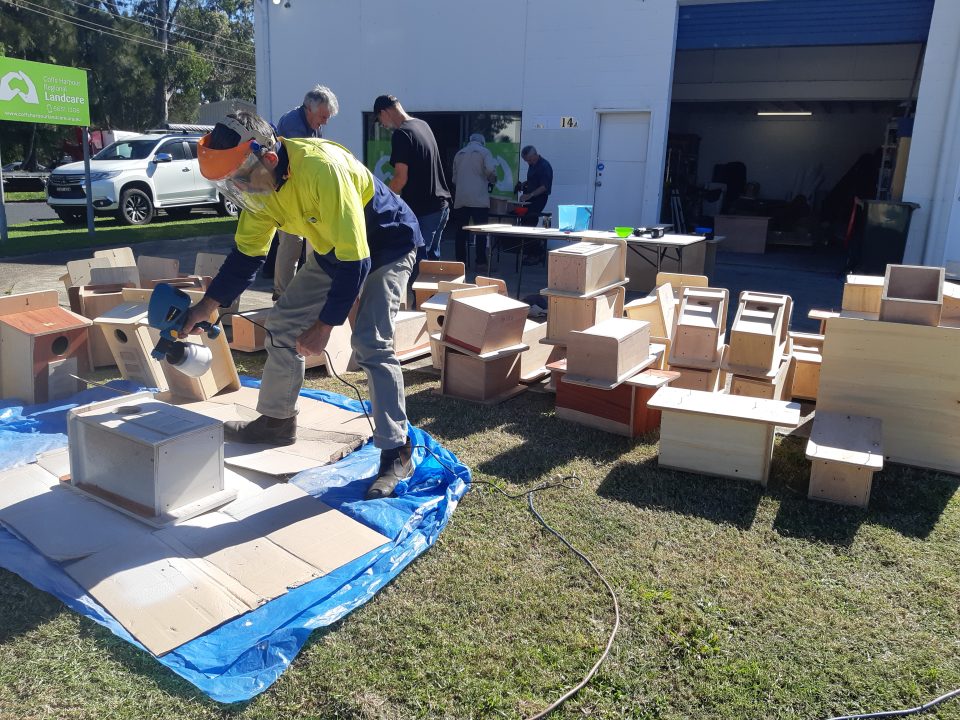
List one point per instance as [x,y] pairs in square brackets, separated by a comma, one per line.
[623,231]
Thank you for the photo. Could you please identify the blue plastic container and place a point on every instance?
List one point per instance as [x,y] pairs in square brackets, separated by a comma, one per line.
[574,217]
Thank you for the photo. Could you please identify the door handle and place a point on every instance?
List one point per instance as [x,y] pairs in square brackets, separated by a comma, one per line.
[598,183]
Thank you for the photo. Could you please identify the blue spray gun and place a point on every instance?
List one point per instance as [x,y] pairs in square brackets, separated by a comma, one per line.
[167,312]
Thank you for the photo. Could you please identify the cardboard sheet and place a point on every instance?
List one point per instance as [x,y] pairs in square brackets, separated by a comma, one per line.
[163,600]
[168,586]
[230,545]
[61,523]
[325,433]
[305,527]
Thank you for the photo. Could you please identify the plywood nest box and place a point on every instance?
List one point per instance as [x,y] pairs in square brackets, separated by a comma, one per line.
[621,410]
[586,268]
[845,452]
[156,462]
[484,323]
[431,273]
[659,308]
[717,434]
[567,314]
[759,335]
[126,333]
[608,353]
[912,294]
[42,345]
[488,380]
[701,325]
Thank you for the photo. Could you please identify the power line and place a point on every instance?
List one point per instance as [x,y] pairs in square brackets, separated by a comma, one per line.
[122,35]
[240,45]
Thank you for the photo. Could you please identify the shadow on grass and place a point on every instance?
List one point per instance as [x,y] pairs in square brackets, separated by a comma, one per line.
[23,608]
[719,500]
[547,442]
[907,500]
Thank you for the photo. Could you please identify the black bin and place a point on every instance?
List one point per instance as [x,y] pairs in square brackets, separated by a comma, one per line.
[880,235]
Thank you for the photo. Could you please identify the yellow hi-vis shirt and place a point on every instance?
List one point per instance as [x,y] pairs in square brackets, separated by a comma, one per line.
[322,201]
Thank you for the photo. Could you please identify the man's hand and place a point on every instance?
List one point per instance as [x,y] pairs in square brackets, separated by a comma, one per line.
[525,197]
[198,313]
[314,339]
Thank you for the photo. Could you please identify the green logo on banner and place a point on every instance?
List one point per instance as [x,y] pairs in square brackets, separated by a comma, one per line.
[507,157]
[38,92]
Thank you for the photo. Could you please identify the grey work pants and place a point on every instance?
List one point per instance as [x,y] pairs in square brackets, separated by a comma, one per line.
[289,248]
[372,342]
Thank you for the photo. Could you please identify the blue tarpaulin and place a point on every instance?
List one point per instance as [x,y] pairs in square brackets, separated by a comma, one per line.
[243,657]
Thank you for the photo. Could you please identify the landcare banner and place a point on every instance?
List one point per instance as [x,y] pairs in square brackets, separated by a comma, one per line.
[42,93]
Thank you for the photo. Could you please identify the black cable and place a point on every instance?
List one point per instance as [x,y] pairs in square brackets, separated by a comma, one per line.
[529,495]
[288,347]
[902,713]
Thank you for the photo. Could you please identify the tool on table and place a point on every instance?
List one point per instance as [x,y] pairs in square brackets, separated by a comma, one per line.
[649,232]
[167,312]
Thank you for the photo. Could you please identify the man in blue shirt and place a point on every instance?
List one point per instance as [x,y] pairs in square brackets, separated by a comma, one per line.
[536,189]
[306,121]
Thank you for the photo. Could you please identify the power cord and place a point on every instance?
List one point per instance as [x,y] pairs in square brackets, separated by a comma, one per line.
[616,605]
[533,510]
[902,713]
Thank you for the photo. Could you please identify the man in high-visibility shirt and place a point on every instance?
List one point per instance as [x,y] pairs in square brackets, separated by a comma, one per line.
[363,242]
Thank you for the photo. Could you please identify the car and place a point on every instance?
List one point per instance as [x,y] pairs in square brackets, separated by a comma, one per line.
[18,166]
[134,177]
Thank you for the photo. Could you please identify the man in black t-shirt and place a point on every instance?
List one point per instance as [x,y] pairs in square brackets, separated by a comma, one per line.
[536,189]
[417,173]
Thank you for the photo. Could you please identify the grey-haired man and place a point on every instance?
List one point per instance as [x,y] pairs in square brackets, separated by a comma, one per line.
[319,105]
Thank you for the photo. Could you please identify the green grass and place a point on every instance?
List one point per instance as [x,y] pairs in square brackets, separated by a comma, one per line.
[46,235]
[38,196]
[737,601]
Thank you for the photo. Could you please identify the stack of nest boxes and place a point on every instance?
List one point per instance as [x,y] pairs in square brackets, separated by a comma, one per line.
[42,347]
[482,340]
[586,282]
[533,360]
[604,382]
[889,382]
[759,354]
[697,350]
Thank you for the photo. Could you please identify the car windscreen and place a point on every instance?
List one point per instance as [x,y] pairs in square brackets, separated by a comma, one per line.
[127,150]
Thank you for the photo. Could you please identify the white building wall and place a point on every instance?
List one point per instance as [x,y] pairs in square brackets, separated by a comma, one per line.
[933,171]
[545,58]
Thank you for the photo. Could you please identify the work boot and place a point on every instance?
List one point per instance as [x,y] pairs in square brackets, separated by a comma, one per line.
[264,430]
[396,464]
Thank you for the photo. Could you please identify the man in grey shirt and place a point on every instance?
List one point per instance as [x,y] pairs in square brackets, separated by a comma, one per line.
[473,170]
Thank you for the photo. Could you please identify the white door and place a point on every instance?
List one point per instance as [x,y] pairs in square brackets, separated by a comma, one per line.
[620,170]
[175,181]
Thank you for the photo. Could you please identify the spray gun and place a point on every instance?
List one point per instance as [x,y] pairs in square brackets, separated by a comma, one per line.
[167,312]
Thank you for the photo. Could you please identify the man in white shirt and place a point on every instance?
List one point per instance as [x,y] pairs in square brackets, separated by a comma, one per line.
[473,170]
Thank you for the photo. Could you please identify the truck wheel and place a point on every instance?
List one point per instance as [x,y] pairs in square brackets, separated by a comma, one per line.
[227,208]
[71,217]
[136,208]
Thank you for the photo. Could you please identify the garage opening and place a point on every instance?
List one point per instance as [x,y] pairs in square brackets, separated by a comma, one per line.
[784,113]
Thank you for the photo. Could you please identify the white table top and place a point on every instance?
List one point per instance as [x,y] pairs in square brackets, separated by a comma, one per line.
[681,241]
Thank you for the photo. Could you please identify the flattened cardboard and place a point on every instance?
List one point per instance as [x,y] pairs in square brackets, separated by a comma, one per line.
[325,433]
[230,545]
[61,524]
[162,600]
[306,527]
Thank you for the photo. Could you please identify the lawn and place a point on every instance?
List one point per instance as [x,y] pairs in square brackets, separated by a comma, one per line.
[46,235]
[737,601]
[38,196]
